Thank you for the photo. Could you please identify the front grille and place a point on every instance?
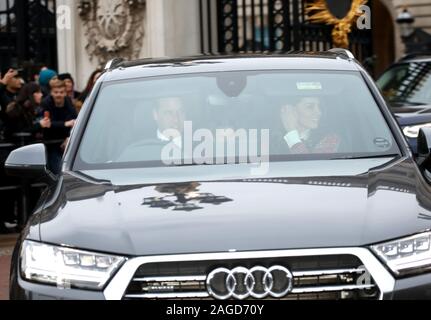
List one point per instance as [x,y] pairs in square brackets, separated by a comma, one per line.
[314,277]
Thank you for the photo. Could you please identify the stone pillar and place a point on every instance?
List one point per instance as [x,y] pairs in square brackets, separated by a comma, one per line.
[182,29]
[155,39]
[129,29]
[66,36]
[172,28]
[72,55]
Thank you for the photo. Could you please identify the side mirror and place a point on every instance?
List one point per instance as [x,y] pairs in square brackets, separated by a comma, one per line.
[29,162]
[424,148]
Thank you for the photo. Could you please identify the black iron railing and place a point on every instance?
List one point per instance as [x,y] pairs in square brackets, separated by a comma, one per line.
[28,33]
[17,194]
[254,26]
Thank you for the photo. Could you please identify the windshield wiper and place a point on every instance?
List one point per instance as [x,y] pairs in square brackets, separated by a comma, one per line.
[366,157]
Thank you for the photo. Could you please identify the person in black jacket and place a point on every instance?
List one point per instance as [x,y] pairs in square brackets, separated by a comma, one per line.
[21,114]
[10,85]
[59,115]
[22,120]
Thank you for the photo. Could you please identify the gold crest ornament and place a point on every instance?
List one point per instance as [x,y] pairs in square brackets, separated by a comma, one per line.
[318,12]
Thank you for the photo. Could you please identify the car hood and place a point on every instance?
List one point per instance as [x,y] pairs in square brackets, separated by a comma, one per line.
[412,115]
[410,108]
[313,204]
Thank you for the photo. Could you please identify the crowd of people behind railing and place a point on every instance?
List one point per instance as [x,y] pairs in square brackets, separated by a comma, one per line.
[41,108]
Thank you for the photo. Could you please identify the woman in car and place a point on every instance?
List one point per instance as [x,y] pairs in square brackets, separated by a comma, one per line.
[301,122]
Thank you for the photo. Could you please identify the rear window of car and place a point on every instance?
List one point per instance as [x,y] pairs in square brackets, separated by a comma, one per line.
[407,84]
[233,117]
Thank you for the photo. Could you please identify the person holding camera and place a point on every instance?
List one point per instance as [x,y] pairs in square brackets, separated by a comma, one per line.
[10,85]
[22,113]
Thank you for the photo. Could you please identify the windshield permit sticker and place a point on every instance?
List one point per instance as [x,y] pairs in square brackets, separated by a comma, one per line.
[309,86]
[382,143]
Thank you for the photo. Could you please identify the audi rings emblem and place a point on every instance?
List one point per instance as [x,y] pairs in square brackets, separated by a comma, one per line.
[242,283]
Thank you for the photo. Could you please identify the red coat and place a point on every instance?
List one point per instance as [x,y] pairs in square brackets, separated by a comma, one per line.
[328,144]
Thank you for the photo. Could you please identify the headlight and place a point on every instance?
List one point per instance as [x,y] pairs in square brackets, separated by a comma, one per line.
[408,255]
[413,131]
[66,267]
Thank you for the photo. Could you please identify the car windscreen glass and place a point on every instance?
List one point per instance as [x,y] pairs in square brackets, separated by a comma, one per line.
[407,84]
[233,117]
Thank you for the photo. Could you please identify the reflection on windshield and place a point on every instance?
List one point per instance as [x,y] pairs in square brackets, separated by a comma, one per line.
[233,118]
[183,197]
[407,84]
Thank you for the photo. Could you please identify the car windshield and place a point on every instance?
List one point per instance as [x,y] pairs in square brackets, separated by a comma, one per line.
[233,117]
[407,84]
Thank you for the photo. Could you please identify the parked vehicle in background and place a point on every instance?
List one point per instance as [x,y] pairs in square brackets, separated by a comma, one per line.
[406,85]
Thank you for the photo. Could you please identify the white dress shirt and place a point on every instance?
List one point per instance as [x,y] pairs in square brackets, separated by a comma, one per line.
[294,137]
[177,141]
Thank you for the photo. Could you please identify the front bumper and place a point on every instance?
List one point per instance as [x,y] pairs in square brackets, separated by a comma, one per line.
[23,290]
[416,287]
[413,288]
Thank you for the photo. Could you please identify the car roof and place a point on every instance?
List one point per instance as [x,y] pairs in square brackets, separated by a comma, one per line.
[219,63]
[416,57]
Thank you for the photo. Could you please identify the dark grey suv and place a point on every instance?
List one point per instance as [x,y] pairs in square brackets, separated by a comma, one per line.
[247,177]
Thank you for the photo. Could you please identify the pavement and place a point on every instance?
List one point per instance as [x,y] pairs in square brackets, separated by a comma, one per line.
[7,242]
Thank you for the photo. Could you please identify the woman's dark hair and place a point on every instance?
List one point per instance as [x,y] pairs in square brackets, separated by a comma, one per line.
[24,107]
[25,97]
[89,87]
[66,76]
